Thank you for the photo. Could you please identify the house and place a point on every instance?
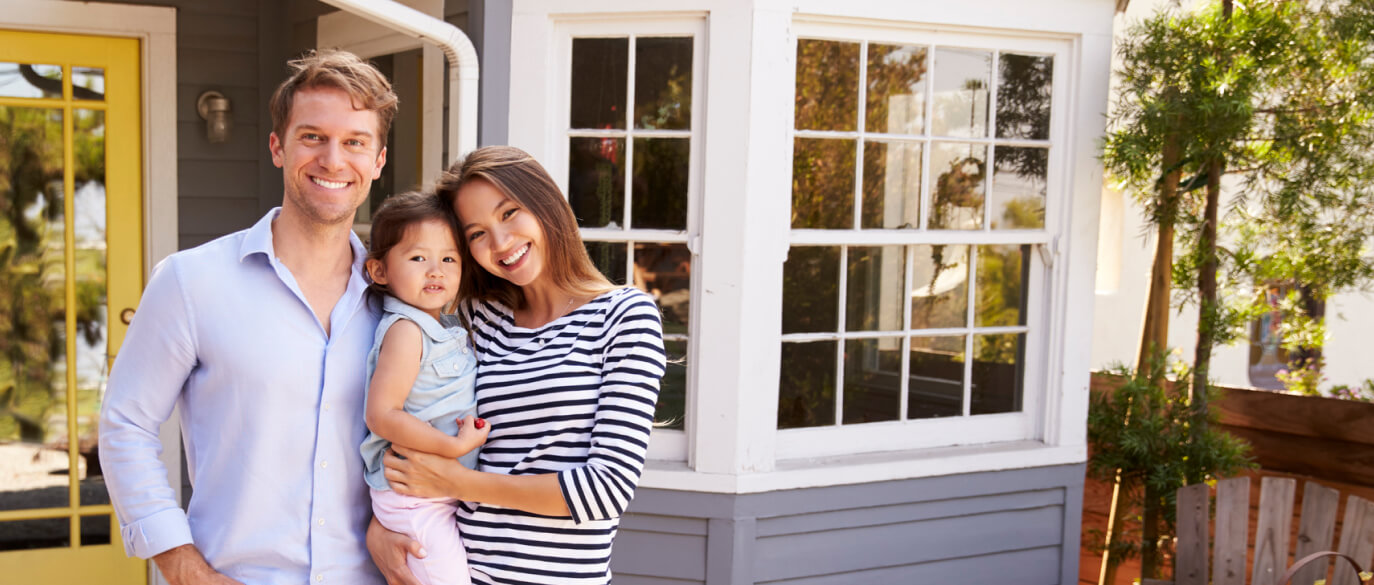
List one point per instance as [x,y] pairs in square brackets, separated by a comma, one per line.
[871,227]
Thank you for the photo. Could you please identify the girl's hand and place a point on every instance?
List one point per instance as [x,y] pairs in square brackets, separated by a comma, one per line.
[389,550]
[421,474]
[472,433]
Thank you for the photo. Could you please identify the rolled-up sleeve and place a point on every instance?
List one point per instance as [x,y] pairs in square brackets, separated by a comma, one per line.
[145,382]
[634,364]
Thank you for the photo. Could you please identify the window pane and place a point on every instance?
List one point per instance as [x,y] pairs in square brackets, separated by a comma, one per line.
[810,289]
[1002,273]
[896,89]
[1018,187]
[962,80]
[998,368]
[892,185]
[599,67]
[823,183]
[936,388]
[609,258]
[872,380]
[92,319]
[806,388]
[1023,96]
[672,391]
[596,181]
[31,534]
[827,85]
[876,280]
[30,81]
[659,191]
[88,83]
[957,185]
[95,530]
[665,271]
[939,279]
[663,83]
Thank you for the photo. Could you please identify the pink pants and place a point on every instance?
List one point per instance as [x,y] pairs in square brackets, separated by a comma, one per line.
[433,523]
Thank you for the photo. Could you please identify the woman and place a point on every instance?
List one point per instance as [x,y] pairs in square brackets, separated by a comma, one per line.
[568,375]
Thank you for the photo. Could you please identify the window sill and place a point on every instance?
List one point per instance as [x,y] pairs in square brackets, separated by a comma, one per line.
[864,468]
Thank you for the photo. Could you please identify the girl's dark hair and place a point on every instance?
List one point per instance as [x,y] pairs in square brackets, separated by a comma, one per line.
[517,175]
[396,214]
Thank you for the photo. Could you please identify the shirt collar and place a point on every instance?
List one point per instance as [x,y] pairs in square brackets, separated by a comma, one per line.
[431,327]
[258,240]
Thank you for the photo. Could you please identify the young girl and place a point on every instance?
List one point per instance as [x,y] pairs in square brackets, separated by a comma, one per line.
[421,372]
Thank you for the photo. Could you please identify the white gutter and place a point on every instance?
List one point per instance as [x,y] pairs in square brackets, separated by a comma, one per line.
[462,62]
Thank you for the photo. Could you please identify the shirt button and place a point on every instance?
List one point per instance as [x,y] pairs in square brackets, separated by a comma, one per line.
[321,521]
[324,464]
[457,366]
[463,350]
[319,577]
[326,407]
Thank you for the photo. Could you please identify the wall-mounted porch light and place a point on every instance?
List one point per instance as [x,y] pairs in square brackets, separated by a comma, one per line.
[214,108]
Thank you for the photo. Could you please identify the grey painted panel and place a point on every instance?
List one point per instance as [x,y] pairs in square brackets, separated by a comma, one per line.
[908,512]
[857,549]
[246,142]
[1023,567]
[217,67]
[494,50]
[643,553]
[225,32]
[216,216]
[667,524]
[625,579]
[730,551]
[227,7]
[212,178]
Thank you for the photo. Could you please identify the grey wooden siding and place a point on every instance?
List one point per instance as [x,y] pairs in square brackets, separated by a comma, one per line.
[1010,526]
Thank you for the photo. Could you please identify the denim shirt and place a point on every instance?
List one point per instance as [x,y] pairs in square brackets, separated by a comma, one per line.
[444,389]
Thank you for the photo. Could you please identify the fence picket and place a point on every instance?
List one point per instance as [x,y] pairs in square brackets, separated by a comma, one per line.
[1233,515]
[1316,529]
[1271,534]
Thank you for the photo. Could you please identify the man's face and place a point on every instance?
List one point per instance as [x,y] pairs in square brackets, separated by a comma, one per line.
[329,156]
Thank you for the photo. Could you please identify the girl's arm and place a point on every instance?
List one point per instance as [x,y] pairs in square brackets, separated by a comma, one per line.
[398,364]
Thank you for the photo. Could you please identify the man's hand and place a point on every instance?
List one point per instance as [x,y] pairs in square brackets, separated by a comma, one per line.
[184,565]
[389,550]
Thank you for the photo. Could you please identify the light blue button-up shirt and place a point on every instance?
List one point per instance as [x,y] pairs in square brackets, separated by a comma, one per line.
[271,412]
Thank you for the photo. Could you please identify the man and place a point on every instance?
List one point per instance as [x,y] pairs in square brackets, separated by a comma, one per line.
[261,338]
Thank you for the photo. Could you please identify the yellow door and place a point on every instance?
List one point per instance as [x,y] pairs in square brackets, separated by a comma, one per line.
[70,263]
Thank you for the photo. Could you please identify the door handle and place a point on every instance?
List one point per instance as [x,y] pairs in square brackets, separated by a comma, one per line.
[127,315]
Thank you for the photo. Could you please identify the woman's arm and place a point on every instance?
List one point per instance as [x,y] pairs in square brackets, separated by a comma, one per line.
[428,475]
[398,364]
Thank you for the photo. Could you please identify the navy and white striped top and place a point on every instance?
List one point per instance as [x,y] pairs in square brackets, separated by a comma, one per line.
[574,397]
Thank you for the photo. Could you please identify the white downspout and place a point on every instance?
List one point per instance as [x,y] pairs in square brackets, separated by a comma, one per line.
[461,55]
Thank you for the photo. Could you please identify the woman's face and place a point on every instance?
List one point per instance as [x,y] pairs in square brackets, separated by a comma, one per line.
[504,238]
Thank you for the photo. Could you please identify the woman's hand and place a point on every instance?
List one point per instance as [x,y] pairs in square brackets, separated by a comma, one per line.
[421,474]
[389,550]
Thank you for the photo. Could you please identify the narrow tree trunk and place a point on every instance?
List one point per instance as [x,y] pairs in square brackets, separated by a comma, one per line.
[1154,335]
[1207,296]
[1149,535]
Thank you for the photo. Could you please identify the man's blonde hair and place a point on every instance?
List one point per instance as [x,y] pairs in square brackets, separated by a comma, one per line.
[331,68]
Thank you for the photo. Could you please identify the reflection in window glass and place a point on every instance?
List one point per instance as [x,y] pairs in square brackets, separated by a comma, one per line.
[896,89]
[672,392]
[892,185]
[823,183]
[998,370]
[806,385]
[1019,187]
[827,85]
[1267,354]
[95,530]
[936,388]
[810,289]
[25,80]
[957,185]
[600,68]
[596,181]
[939,280]
[88,83]
[32,534]
[1023,96]
[609,258]
[1001,299]
[876,280]
[872,380]
[92,355]
[663,83]
[665,271]
[963,80]
[659,191]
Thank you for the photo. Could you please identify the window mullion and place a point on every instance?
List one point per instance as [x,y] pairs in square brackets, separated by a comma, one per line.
[859,142]
[840,297]
[992,146]
[905,386]
[968,339]
[629,138]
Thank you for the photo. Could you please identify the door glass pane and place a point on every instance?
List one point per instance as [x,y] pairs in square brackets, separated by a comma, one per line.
[1023,96]
[1001,298]
[665,271]
[936,388]
[92,318]
[30,81]
[599,70]
[31,534]
[998,364]
[892,185]
[609,258]
[827,85]
[823,183]
[876,281]
[658,195]
[672,392]
[33,405]
[957,185]
[806,388]
[939,280]
[810,290]
[88,83]
[872,380]
[596,181]
[963,80]
[663,83]
[1018,187]
[896,89]
[95,530]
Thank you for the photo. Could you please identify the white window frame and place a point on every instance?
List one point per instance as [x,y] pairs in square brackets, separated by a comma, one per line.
[1028,423]
[665,444]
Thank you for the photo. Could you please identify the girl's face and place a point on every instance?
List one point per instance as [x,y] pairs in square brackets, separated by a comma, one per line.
[423,268]
[505,239]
